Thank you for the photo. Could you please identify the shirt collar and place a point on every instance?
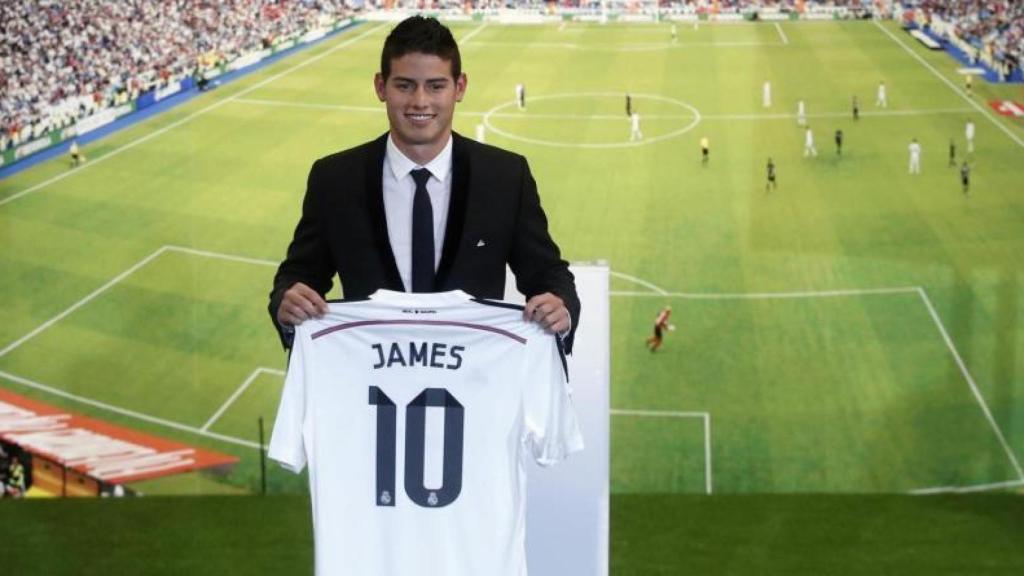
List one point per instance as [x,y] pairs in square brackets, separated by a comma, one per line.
[401,165]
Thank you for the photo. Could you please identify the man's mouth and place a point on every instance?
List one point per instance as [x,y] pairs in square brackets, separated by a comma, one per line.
[420,117]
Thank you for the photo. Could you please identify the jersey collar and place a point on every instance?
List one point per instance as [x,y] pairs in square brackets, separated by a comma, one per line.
[452,297]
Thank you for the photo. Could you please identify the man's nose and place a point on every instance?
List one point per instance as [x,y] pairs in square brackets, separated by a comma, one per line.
[420,96]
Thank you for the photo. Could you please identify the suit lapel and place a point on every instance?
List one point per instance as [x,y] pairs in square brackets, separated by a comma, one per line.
[375,203]
[456,210]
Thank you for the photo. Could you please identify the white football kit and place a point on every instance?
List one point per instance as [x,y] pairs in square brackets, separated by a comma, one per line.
[416,414]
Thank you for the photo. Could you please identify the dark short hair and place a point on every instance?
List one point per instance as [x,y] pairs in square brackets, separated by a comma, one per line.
[423,35]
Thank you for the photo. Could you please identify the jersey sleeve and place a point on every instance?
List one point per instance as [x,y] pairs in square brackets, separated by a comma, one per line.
[286,442]
[551,431]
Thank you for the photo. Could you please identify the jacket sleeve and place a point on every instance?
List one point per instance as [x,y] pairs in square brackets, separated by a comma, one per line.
[308,259]
[535,259]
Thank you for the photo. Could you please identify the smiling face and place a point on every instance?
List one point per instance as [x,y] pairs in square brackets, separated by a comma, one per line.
[420,94]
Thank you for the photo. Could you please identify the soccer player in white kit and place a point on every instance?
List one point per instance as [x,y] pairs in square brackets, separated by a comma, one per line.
[809,149]
[881,100]
[480,132]
[801,113]
[635,133]
[969,133]
[521,96]
[915,156]
[766,94]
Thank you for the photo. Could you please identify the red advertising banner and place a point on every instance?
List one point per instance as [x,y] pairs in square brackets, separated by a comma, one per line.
[1008,108]
[98,449]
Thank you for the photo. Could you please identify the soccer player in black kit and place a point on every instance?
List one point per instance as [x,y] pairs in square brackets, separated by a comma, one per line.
[771,176]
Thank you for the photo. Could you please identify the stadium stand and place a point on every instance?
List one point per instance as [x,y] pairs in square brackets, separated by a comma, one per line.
[61,61]
[993,30]
[64,61]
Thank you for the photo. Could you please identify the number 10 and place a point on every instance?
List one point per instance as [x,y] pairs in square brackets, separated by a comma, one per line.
[415,447]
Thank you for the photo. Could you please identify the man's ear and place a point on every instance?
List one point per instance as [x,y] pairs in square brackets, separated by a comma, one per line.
[378,85]
[460,86]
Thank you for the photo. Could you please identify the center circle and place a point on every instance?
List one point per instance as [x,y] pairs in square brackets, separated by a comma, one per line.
[623,144]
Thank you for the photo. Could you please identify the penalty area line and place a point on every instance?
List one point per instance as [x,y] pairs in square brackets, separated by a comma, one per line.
[238,392]
[704,416]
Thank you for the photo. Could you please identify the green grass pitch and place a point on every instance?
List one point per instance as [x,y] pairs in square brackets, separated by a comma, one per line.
[856,330]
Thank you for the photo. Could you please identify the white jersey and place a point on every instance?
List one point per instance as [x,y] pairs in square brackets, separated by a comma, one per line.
[416,414]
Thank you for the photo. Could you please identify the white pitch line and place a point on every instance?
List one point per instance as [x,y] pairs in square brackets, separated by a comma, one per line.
[639,281]
[707,451]
[625,47]
[221,256]
[519,115]
[970,382]
[125,411]
[775,295]
[241,389]
[189,118]
[477,30]
[613,117]
[13,345]
[953,87]
[705,416]
[969,489]
[658,413]
[783,116]
[781,34]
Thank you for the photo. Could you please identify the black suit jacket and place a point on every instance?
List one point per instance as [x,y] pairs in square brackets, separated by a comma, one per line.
[493,199]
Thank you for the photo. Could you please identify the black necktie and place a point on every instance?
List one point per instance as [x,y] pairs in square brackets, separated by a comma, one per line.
[422,235]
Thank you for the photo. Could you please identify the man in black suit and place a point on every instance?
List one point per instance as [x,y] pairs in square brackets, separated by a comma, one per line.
[473,208]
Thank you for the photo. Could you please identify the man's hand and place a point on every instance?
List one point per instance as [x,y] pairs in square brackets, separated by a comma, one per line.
[300,303]
[549,311]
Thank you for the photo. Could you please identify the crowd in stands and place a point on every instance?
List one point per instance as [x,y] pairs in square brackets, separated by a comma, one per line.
[991,26]
[706,5]
[61,61]
[12,474]
[781,4]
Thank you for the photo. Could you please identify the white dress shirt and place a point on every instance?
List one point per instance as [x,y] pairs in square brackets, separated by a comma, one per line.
[399,190]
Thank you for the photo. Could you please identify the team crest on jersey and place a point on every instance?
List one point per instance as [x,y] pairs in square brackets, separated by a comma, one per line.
[432,499]
[385,497]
